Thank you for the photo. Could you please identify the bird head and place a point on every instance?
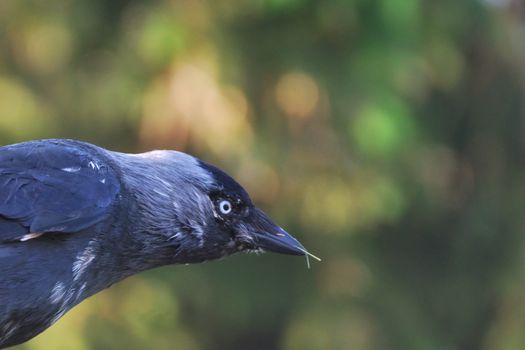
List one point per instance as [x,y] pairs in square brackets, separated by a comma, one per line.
[238,221]
[210,214]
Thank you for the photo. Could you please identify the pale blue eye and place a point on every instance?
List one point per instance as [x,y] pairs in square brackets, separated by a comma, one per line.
[225,207]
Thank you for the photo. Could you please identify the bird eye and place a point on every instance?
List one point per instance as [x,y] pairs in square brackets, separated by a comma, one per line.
[225,207]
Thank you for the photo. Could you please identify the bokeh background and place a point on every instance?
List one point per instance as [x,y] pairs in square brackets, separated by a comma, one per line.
[387,135]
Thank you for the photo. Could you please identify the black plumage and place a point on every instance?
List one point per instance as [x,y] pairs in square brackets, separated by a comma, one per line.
[53,187]
[76,218]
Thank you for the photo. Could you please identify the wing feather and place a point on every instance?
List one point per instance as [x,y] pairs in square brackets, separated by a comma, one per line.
[53,186]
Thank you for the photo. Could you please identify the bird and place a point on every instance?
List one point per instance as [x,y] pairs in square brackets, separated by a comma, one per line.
[76,218]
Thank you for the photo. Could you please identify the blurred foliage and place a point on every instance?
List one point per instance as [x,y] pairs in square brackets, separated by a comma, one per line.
[387,135]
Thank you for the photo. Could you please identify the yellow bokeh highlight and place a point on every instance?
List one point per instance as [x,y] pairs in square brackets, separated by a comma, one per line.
[190,105]
[22,114]
[297,94]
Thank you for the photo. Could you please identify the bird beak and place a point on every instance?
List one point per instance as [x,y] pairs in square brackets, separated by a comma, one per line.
[270,237]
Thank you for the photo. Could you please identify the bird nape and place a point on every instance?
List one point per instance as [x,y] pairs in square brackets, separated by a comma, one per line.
[76,218]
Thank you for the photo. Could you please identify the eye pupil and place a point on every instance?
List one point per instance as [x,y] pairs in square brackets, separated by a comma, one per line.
[225,207]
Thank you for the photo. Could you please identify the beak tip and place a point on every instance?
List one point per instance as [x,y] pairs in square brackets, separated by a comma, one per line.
[272,238]
[282,243]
